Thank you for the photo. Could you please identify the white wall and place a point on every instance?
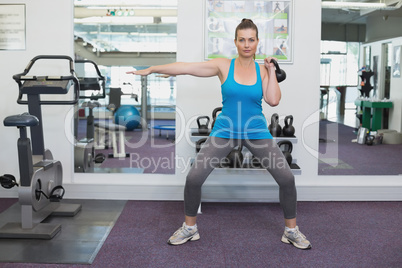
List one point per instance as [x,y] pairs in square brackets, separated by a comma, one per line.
[196,96]
[49,30]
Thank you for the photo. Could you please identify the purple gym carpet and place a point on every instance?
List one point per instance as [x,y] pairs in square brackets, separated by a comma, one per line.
[343,234]
[341,156]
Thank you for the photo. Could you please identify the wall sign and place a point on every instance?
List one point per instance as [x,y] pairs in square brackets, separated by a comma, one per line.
[273,19]
[12,27]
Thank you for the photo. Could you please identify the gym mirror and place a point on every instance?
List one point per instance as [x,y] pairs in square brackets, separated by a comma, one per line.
[124,123]
[350,69]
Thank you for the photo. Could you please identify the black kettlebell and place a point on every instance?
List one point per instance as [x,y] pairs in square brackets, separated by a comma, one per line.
[286,147]
[214,115]
[199,143]
[274,128]
[280,74]
[235,158]
[370,140]
[288,130]
[203,128]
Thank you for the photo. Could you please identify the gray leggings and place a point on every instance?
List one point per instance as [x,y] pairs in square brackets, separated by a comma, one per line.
[265,150]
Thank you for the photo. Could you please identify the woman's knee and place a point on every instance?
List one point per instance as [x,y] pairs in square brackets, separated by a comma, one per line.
[286,180]
[193,181]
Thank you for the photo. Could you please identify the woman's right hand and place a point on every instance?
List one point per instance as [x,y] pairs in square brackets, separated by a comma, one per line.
[143,72]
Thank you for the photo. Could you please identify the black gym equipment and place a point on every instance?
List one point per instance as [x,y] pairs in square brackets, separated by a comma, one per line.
[288,130]
[286,147]
[275,128]
[199,144]
[365,86]
[115,94]
[234,159]
[40,187]
[84,149]
[280,74]
[215,115]
[203,127]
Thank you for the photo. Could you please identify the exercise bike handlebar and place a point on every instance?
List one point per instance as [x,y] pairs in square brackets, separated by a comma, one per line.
[101,77]
[21,77]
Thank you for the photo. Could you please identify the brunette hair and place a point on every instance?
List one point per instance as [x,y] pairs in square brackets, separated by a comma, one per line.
[246,24]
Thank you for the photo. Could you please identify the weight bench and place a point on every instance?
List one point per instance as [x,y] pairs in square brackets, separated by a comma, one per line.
[103,129]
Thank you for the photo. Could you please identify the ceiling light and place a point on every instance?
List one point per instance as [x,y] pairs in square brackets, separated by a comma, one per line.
[353,5]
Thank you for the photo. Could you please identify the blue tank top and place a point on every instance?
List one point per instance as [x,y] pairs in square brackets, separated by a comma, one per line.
[241,116]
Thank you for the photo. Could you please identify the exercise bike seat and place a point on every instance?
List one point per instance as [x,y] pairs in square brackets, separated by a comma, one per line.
[21,120]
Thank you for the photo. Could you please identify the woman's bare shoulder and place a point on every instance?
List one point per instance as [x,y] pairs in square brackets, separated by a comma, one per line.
[223,66]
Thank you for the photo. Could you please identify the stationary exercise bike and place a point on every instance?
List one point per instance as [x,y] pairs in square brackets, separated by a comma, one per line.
[40,185]
[84,149]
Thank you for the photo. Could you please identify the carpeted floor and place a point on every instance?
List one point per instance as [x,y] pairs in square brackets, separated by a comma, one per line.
[340,156]
[343,234]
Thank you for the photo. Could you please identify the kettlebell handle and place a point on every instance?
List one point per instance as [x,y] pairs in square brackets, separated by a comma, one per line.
[288,120]
[274,118]
[288,143]
[280,74]
[199,143]
[202,117]
[215,112]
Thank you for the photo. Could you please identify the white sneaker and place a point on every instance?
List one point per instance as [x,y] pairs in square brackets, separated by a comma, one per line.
[183,234]
[296,238]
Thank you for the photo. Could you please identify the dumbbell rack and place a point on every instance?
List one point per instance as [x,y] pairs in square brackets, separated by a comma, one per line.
[296,170]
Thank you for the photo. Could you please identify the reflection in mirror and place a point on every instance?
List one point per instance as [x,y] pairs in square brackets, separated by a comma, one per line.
[338,121]
[367,56]
[124,123]
[354,117]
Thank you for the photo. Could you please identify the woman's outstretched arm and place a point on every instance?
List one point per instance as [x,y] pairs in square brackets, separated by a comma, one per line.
[200,69]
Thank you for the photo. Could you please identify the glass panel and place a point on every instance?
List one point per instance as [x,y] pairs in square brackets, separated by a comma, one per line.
[339,63]
[129,125]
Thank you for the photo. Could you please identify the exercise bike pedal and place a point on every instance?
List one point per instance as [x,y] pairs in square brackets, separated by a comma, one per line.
[8,181]
[99,158]
[57,194]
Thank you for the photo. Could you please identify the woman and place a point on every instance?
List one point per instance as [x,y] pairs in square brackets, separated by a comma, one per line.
[241,122]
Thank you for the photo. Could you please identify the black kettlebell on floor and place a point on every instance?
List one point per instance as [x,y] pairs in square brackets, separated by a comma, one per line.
[203,128]
[280,74]
[199,143]
[235,158]
[286,147]
[288,130]
[274,128]
[214,115]
[370,140]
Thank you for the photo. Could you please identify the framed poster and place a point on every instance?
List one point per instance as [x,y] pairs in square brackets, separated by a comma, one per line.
[273,19]
[12,27]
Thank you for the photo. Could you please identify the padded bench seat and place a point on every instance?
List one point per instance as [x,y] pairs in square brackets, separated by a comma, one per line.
[115,131]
